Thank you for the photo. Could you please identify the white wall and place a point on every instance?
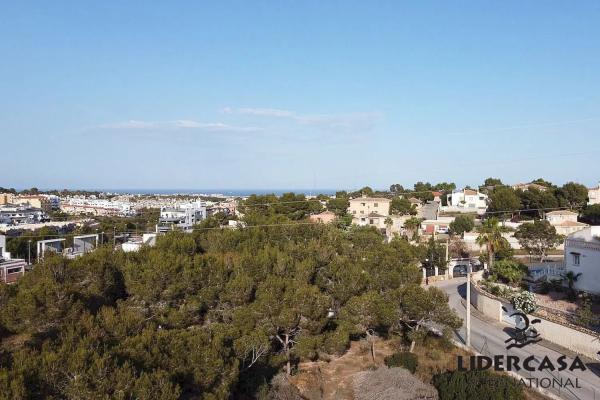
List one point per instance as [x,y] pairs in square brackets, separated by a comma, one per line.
[2,246]
[589,267]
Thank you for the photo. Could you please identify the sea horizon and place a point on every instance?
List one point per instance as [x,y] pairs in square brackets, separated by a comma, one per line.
[187,191]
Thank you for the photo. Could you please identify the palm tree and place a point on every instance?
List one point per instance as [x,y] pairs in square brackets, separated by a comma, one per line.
[412,224]
[570,277]
[388,227]
[490,235]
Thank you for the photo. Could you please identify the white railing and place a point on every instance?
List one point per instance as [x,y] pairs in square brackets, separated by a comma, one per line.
[547,270]
[582,244]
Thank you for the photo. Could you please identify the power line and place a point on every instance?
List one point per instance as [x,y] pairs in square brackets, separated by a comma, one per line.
[65,235]
[534,209]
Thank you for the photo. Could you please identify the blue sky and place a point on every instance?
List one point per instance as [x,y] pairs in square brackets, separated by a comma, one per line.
[297,94]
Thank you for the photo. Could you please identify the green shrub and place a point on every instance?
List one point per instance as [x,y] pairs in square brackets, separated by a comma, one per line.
[434,355]
[495,290]
[477,385]
[545,287]
[403,359]
[338,341]
[585,316]
[509,271]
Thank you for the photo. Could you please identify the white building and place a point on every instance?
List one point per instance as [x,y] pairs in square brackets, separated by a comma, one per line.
[49,245]
[582,255]
[16,214]
[53,199]
[147,239]
[594,195]
[10,269]
[467,199]
[183,217]
[565,222]
[526,186]
[82,244]
[79,205]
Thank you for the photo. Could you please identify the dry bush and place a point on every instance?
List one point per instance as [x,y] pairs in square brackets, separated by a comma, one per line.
[282,389]
[391,384]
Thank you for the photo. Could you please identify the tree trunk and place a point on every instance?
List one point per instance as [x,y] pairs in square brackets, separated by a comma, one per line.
[412,343]
[491,257]
[373,349]
[371,340]
[288,365]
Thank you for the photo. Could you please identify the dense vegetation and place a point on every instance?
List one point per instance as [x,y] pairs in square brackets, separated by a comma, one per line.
[403,359]
[534,203]
[477,385]
[208,314]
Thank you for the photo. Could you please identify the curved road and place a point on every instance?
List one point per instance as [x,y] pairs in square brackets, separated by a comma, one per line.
[487,337]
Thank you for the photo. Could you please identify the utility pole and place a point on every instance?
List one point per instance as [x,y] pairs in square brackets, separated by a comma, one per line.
[447,259]
[468,339]
[447,252]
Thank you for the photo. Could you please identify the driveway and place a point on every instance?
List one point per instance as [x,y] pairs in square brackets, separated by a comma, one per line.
[487,337]
[429,210]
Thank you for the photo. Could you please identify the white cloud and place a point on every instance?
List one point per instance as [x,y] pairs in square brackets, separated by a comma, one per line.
[263,112]
[336,122]
[177,124]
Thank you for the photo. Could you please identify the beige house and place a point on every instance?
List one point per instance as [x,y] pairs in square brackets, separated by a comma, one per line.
[34,201]
[6,198]
[565,222]
[594,195]
[415,203]
[326,217]
[379,221]
[363,206]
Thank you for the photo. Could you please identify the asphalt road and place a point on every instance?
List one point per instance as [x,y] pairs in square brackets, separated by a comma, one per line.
[429,210]
[488,338]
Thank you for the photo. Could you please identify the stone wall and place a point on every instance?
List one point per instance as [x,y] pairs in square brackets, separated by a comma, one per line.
[489,306]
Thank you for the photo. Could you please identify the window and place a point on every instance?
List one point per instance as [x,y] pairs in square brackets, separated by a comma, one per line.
[576,259]
[371,221]
[375,205]
[13,270]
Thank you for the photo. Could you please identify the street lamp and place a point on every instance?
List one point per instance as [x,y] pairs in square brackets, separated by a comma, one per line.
[29,251]
[468,339]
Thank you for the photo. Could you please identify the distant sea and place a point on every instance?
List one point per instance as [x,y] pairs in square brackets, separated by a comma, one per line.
[227,192]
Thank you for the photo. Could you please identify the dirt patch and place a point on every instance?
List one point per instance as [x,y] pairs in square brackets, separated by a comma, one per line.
[391,384]
[559,301]
[15,342]
[334,379]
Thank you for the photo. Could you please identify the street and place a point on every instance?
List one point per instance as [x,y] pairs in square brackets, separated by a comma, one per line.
[488,338]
